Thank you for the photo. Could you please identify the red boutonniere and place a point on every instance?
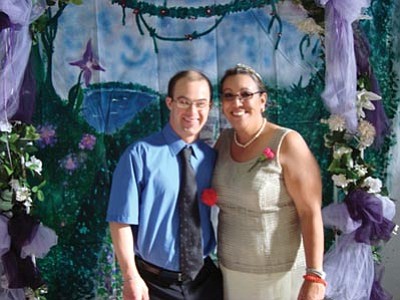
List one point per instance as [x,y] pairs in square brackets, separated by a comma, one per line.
[209,197]
[267,154]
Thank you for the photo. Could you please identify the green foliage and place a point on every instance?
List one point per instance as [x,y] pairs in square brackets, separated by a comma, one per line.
[348,168]
[19,168]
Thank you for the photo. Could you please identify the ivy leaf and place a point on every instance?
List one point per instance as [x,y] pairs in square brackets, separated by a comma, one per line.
[42,184]
[31,134]
[350,174]
[8,170]
[348,161]
[40,195]
[36,189]
[12,138]
[4,138]
[5,205]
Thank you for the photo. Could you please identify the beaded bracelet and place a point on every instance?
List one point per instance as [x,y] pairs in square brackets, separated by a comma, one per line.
[314,278]
[319,273]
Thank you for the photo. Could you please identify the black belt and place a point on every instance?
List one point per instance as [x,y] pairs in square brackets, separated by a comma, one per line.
[160,272]
[164,274]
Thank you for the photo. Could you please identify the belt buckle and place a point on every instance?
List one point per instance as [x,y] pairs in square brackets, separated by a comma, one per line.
[181,277]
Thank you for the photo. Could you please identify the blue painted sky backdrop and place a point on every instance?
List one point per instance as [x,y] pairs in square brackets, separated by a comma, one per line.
[130,57]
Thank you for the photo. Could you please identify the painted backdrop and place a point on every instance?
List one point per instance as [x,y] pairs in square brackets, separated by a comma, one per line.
[101,71]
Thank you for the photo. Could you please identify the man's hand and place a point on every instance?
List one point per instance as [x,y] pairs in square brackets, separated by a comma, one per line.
[135,289]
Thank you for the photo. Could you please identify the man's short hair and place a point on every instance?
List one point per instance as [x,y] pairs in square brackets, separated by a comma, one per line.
[191,75]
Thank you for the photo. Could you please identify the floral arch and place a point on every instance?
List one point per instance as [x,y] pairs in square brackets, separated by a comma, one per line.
[90,77]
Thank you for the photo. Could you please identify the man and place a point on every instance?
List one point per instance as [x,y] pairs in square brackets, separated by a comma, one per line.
[144,204]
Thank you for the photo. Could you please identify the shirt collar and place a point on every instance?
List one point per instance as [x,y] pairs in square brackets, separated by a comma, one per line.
[175,143]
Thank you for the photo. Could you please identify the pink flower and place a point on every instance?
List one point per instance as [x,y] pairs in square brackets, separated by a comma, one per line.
[88,142]
[209,197]
[267,154]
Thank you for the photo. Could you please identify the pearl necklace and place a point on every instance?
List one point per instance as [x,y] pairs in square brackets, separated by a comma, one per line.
[252,139]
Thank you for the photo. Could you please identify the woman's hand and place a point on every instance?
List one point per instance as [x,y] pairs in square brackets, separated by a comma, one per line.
[312,291]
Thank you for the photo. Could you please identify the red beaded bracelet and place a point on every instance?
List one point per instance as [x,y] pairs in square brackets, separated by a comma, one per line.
[314,278]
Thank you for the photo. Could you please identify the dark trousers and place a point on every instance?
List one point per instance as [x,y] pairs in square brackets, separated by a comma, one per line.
[206,286]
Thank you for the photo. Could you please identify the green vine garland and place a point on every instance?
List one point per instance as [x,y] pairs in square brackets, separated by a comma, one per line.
[217,10]
[193,12]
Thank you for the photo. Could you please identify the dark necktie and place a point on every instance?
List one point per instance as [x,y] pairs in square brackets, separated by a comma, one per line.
[191,258]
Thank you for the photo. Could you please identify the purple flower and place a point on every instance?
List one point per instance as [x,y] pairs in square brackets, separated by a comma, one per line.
[47,135]
[88,63]
[87,142]
[70,163]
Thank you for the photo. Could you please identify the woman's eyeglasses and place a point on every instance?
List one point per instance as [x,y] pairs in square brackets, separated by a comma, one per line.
[242,96]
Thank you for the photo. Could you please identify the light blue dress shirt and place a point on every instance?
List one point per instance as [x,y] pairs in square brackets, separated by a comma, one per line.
[145,190]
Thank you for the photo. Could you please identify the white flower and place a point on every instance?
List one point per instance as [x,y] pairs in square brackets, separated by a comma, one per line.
[361,170]
[364,99]
[339,152]
[28,204]
[374,185]
[367,133]
[5,126]
[14,183]
[340,180]
[34,164]
[335,123]
[350,163]
[395,229]
[22,194]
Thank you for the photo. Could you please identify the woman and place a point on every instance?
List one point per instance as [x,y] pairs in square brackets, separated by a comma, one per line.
[270,230]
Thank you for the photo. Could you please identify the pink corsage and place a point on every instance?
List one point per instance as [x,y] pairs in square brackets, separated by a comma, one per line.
[209,197]
[267,154]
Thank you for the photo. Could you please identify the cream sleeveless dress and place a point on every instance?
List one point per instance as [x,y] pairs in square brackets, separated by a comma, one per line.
[260,249]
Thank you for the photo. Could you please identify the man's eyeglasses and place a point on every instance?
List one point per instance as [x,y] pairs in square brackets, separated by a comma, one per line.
[185,103]
[242,96]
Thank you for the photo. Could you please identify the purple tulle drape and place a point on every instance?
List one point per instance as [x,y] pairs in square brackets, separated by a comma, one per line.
[378,116]
[21,272]
[378,293]
[341,74]
[15,44]
[27,96]
[349,268]
[4,21]
[362,219]
[23,238]
[368,209]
